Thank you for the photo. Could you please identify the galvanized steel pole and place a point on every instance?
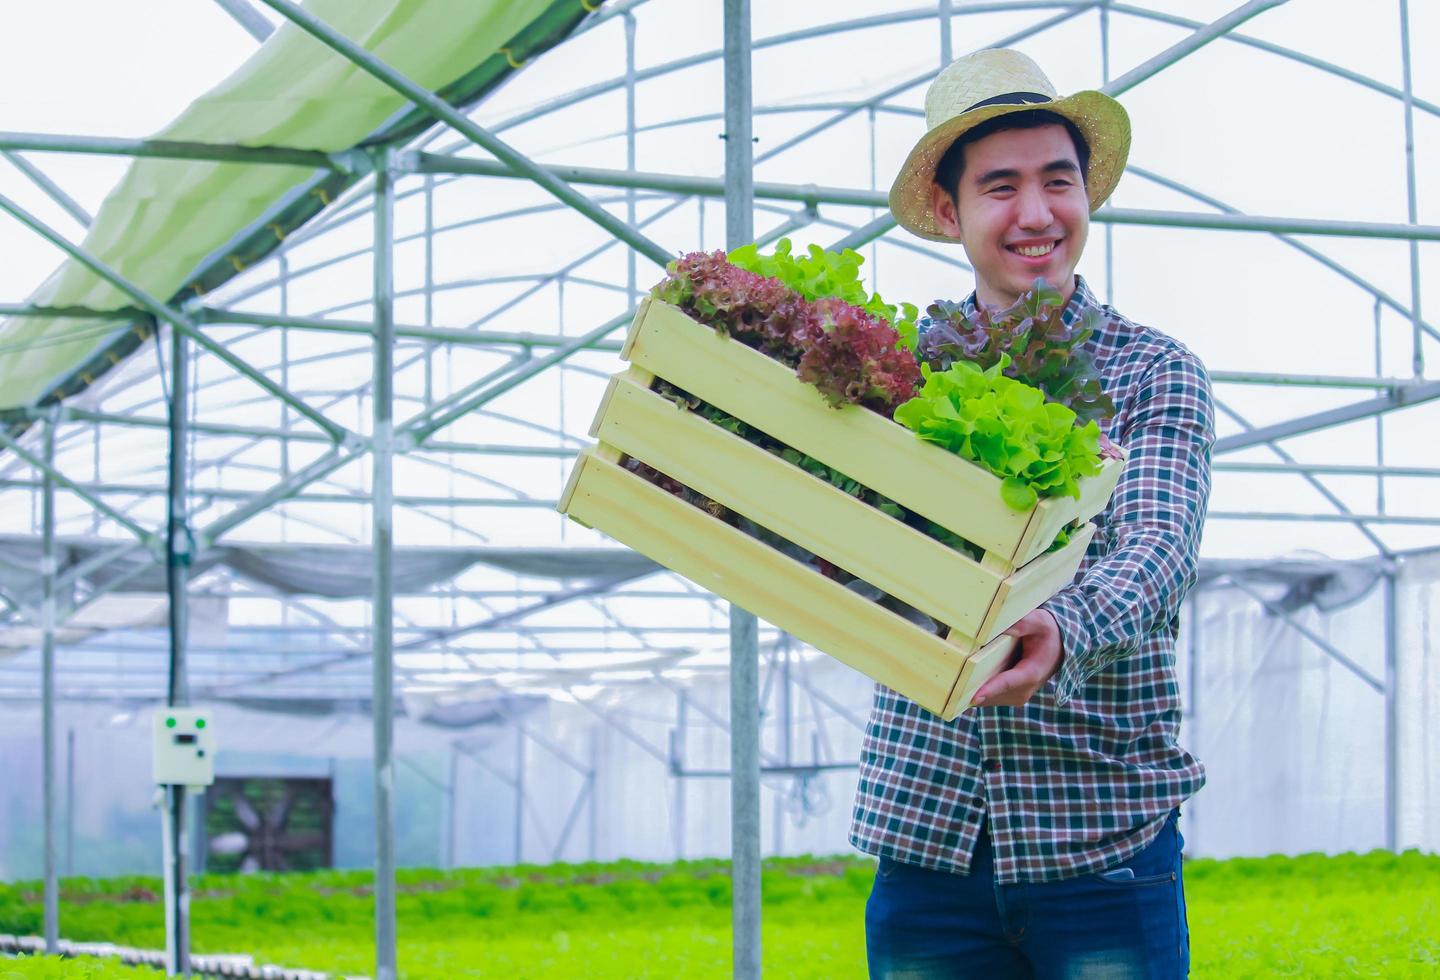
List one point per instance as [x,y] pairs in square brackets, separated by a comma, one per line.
[1392,713]
[383,543]
[1417,356]
[177,577]
[744,629]
[47,688]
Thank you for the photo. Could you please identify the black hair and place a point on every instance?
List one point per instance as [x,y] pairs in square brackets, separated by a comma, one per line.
[952,165]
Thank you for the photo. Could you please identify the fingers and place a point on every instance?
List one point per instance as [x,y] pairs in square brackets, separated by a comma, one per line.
[1011,687]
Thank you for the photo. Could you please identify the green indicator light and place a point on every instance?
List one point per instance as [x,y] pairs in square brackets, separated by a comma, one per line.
[199,722]
[169,722]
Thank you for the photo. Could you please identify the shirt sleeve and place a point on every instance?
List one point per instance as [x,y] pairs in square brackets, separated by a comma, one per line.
[1152,537]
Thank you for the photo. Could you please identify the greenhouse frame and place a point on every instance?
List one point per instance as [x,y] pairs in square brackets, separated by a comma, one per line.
[259,452]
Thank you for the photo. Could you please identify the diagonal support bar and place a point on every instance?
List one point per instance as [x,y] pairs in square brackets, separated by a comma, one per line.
[1193,43]
[1401,397]
[448,114]
[51,189]
[421,428]
[1325,645]
[173,317]
[75,488]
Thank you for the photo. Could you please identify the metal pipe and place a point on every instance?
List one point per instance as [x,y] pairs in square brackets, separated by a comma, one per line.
[945,50]
[1288,53]
[70,802]
[254,504]
[1194,42]
[1417,356]
[1358,519]
[52,190]
[51,473]
[168,314]
[447,410]
[1325,645]
[859,197]
[1336,469]
[449,335]
[47,687]
[177,689]
[1414,394]
[1392,716]
[71,413]
[176,150]
[1380,295]
[1310,380]
[249,18]
[1324,491]
[443,111]
[383,600]
[744,628]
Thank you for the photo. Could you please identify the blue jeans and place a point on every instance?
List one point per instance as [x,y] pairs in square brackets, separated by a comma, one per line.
[922,924]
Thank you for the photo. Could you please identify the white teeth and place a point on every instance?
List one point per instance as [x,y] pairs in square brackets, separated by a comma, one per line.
[1035,251]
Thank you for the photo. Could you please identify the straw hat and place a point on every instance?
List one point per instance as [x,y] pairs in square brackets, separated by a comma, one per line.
[991,83]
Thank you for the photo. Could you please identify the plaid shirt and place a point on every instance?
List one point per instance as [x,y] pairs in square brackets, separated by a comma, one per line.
[1082,775]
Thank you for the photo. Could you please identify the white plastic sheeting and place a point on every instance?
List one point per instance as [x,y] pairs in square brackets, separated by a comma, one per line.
[1293,741]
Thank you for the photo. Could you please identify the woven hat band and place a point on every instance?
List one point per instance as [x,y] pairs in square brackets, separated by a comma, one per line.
[1012,98]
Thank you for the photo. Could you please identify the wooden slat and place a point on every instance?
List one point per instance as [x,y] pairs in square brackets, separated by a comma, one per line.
[982,665]
[880,454]
[798,506]
[1035,582]
[1094,495]
[776,588]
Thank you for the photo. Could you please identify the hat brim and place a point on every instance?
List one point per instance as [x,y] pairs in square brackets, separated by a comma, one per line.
[1101,120]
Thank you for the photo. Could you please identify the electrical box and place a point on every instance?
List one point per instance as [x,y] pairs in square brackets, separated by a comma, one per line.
[184,747]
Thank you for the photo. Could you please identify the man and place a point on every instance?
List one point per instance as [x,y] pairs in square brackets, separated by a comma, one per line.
[1035,835]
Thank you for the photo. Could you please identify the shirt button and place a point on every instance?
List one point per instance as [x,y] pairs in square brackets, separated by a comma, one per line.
[991,765]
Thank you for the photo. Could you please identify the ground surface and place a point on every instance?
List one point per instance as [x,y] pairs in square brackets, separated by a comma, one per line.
[1313,916]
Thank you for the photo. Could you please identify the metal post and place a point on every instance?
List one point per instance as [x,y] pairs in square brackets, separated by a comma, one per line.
[631,217]
[1105,80]
[682,722]
[1392,716]
[946,52]
[70,802]
[519,793]
[451,825]
[1418,353]
[177,577]
[744,629]
[594,778]
[383,609]
[47,686]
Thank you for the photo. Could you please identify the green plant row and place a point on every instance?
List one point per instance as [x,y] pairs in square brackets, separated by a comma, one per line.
[1374,915]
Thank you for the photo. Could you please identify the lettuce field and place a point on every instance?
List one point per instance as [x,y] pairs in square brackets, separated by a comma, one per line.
[1373,915]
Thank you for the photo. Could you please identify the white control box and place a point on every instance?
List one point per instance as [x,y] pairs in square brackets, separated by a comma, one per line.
[184,747]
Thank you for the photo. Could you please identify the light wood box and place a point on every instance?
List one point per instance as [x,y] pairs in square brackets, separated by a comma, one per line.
[977,600]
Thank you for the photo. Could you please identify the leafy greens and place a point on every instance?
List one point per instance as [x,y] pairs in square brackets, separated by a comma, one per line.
[1031,334]
[1034,446]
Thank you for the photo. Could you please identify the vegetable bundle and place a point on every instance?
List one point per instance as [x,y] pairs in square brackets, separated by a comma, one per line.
[961,385]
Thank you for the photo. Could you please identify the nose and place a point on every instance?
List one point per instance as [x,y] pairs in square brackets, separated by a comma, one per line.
[1033,209]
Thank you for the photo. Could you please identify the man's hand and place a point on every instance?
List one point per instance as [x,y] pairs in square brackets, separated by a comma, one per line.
[1036,660]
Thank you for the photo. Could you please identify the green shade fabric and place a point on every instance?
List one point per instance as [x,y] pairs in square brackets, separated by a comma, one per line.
[167,217]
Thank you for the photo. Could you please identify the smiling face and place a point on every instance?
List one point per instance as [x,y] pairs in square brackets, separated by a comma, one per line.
[1021,212]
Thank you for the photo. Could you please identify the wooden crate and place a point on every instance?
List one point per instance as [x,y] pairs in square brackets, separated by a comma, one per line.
[977,600]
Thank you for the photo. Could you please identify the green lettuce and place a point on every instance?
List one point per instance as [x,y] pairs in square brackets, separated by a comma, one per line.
[819,274]
[1006,426]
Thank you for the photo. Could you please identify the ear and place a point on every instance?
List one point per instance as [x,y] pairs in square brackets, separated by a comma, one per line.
[947,219]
